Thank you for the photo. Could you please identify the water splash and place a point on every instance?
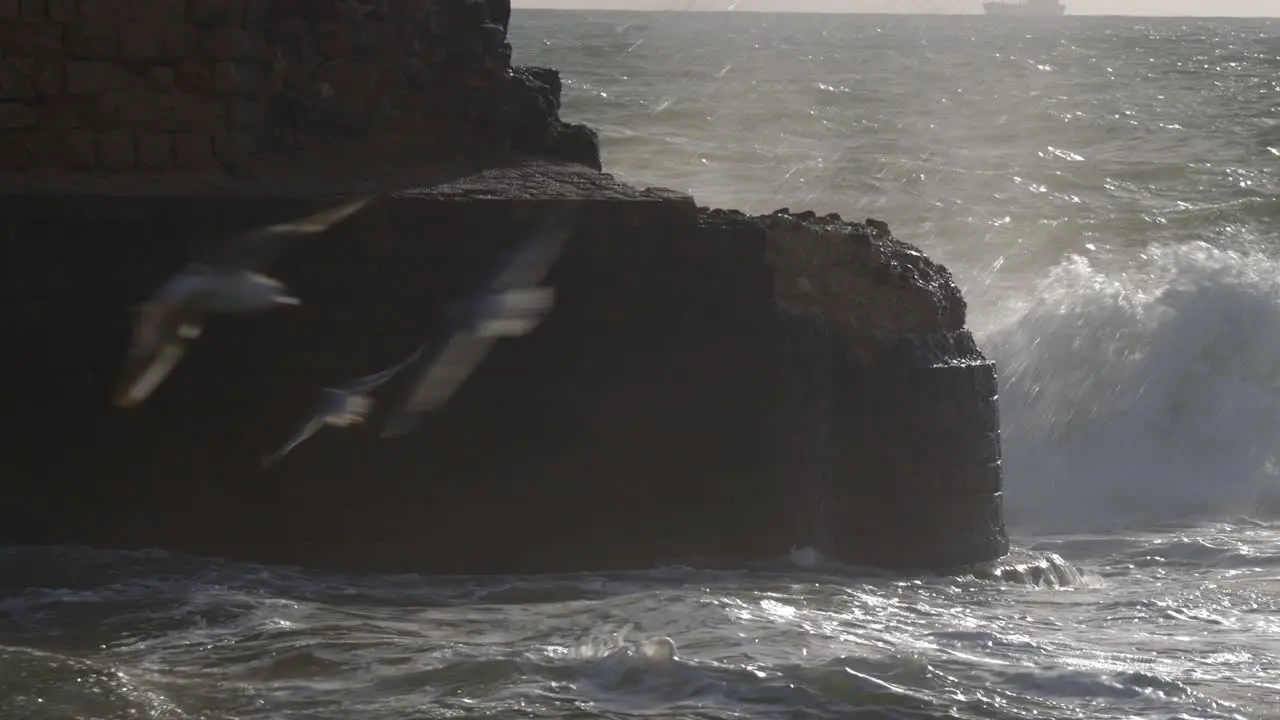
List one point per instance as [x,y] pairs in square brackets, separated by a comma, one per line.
[1141,389]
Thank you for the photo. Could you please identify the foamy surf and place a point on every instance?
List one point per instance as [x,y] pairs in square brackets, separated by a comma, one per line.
[1141,389]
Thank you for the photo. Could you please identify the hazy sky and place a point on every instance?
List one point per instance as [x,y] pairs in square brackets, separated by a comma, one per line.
[1222,8]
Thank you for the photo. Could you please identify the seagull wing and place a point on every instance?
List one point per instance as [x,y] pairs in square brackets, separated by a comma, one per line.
[312,427]
[438,381]
[538,252]
[368,383]
[143,374]
[160,336]
[256,248]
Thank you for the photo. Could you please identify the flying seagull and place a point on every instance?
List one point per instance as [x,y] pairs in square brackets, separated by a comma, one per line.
[511,303]
[342,406]
[227,281]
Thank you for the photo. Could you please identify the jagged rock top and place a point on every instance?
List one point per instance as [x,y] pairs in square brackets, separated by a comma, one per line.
[872,288]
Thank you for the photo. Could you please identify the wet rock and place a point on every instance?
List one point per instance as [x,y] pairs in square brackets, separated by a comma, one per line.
[878,226]
[531,103]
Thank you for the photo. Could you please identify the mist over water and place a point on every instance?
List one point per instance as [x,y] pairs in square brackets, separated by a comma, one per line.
[1104,191]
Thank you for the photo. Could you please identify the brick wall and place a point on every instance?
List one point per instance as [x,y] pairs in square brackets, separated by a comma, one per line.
[124,86]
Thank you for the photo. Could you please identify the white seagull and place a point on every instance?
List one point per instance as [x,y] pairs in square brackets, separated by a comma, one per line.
[342,406]
[227,282]
[510,304]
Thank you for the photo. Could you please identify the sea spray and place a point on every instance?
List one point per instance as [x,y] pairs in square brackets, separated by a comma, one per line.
[1142,389]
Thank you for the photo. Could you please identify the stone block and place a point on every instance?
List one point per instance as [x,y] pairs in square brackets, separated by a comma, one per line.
[16,116]
[10,10]
[80,112]
[214,12]
[34,10]
[140,41]
[48,78]
[96,77]
[176,41]
[239,76]
[31,39]
[62,11]
[161,78]
[63,112]
[92,40]
[194,152]
[154,151]
[234,149]
[116,151]
[50,151]
[16,76]
[223,43]
[99,12]
[13,153]
[81,152]
[144,110]
[157,12]
[196,113]
[195,76]
[244,114]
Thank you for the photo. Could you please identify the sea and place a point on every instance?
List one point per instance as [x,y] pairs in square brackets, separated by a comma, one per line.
[1105,191]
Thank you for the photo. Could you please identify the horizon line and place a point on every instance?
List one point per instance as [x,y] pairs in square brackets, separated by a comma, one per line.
[882,13]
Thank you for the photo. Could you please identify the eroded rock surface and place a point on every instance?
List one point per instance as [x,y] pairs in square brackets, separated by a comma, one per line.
[873,289]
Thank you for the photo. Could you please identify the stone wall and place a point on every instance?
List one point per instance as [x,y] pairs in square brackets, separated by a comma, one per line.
[241,86]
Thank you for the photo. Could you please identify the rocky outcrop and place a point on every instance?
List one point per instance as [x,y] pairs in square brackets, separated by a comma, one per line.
[710,384]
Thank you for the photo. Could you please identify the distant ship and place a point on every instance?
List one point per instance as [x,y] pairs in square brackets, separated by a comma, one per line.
[1026,8]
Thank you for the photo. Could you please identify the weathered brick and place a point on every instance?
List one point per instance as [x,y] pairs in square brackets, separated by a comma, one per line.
[31,39]
[81,152]
[14,154]
[154,151]
[197,114]
[142,109]
[233,149]
[15,78]
[84,112]
[161,78]
[92,40]
[16,116]
[194,76]
[34,10]
[96,77]
[64,112]
[194,152]
[48,78]
[223,43]
[62,11]
[49,151]
[101,112]
[245,114]
[140,41]
[10,9]
[103,12]
[115,151]
[176,41]
[156,11]
[215,12]
[230,76]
